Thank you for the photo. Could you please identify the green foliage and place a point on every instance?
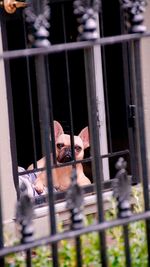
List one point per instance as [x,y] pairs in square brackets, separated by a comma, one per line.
[42,257]
[67,253]
[91,246]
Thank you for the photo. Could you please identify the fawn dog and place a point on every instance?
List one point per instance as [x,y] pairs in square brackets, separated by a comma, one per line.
[62,175]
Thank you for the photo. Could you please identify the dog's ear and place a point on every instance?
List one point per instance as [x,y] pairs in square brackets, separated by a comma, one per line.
[84,135]
[58,130]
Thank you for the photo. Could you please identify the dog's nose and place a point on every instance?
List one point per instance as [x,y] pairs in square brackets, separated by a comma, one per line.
[66,156]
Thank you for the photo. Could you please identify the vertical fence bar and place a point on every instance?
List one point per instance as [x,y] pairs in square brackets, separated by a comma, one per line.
[77,240]
[44,117]
[68,83]
[51,118]
[24,218]
[37,15]
[127,246]
[30,102]
[31,112]
[75,205]
[95,145]
[134,18]
[132,13]
[142,137]
[32,117]
[130,99]
[78,250]
[122,192]
[28,258]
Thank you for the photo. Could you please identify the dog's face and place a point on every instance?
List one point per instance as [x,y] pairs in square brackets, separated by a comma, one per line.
[63,144]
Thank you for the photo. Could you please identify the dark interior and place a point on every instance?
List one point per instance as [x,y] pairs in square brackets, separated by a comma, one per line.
[63,29]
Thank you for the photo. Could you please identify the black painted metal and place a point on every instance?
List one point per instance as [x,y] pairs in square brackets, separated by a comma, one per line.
[38,34]
[24,217]
[122,189]
[75,233]
[86,12]
[37,15]
[95,145]
[31,103]
[122,192]
[75,205]
[68,89]
[127,246]
[58,48]
[135,18]
[42,91]
[142,142]
[130,100]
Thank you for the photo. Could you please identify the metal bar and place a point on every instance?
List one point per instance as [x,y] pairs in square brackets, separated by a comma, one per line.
[78,251]
[28,258]
[95,146]
[136,157]
[32,117]
[127,246]
[72,46]
[119,153]
[51,117]
[143,150]
[30,104]
[74,177]
[74,233]
[122,194]
[44,118]
[130,100]
[68,87]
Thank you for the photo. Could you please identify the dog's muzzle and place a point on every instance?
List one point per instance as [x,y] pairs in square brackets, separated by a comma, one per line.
[65,156]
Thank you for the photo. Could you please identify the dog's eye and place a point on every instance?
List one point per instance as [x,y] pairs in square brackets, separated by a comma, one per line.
[78,148]
[59,146]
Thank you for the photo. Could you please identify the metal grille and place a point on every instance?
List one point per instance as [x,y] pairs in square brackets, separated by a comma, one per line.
[46,57]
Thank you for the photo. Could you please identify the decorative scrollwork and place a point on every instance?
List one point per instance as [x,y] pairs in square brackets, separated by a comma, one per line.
[86,12]
[134,15]
[38,22]
[122,189]
[24,216]
[75,203]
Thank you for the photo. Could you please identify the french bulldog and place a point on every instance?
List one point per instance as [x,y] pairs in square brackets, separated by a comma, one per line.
[62,175]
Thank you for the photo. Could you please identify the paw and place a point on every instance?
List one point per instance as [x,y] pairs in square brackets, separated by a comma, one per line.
[39,187]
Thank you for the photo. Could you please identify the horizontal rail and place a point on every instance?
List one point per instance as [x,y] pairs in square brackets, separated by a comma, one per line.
[109,155]
[75,233]
[57,48]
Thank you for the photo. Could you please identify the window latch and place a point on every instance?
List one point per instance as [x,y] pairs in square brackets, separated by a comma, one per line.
[131,116]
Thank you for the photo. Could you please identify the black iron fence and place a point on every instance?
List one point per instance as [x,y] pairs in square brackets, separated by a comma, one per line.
[45,182]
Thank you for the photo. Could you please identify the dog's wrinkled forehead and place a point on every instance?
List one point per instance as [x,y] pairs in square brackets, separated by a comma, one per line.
[65,139]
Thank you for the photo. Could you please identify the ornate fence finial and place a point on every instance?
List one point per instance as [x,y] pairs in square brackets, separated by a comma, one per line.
[37,16]
[122,189]
[134,10]
[24,216]
[75,203]
[86,12]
